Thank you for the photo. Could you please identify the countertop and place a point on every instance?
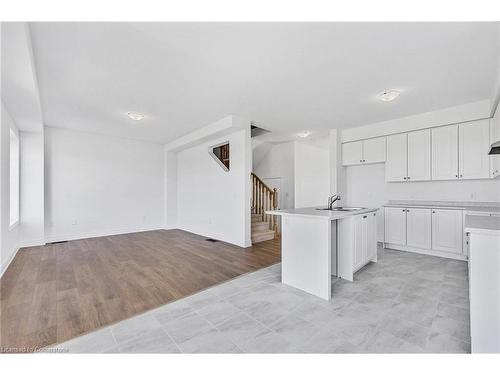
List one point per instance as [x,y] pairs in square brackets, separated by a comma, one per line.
[470,207]
[319,214]
[482,224]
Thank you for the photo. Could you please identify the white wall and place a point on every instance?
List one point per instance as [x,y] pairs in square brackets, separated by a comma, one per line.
[312,175]
[9,238]
[278,162]
[451,115]
[32,230]
[367,187]
[98,185]
[210,201]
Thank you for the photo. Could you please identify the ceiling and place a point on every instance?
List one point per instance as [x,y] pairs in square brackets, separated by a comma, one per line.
[18,84]
[287,77]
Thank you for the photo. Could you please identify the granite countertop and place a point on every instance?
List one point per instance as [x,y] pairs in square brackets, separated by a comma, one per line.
[470,207]
[313,212]
[482,224]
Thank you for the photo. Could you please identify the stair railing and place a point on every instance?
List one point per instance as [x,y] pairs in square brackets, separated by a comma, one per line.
[264,198]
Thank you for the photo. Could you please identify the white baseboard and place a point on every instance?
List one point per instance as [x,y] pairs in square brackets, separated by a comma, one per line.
[441,254]
[4,267]
[30,243]
[111,232]
[215,236]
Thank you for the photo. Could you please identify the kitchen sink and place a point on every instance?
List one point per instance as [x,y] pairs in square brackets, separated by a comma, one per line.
[341,208]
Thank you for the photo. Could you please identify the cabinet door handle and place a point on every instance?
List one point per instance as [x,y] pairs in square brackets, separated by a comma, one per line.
[364,161]
[407,178]
[360,160]
[456,175]
[407,210]
[433,212]
[461,176]
[404,210]
[404,178]
[364,217]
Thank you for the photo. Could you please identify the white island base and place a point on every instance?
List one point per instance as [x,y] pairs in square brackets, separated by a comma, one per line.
[318,244]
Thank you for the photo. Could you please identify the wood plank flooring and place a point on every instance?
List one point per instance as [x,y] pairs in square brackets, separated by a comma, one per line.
[52,293]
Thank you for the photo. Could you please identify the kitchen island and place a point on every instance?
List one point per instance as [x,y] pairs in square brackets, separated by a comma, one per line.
[317,243]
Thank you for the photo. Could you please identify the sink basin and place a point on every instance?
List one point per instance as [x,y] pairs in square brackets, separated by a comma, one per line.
[341,208]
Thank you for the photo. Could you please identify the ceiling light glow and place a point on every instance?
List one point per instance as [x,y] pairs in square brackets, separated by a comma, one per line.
[136,116]
[388,95]
[304,134]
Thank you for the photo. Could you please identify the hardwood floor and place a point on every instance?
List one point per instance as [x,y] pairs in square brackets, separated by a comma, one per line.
[52,293]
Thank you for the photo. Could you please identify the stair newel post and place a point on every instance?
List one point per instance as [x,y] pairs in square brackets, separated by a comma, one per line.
[262,195]
[267,204]
[253,193]
[252,179]
[258,196]
[275,206]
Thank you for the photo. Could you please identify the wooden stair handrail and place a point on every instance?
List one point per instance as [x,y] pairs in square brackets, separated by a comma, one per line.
[264,198]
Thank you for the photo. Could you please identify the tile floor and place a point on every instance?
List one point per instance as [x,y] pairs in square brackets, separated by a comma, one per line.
[406,303]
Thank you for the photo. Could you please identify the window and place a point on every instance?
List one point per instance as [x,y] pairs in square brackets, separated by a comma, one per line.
[220,153]
[14,178]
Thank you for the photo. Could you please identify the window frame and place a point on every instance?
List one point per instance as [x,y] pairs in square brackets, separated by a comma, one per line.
[14,178]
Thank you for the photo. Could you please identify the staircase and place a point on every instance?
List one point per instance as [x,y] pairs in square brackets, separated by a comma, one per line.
[260,229]
[264,226]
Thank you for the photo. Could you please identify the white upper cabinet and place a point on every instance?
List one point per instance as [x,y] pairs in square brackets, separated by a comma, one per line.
[374,150]
[419,155]
[445,152]
[363,152]
[495,126]
[474,144]
[352,153]
[396,162]
[418,227]
[495,137]
[395,225]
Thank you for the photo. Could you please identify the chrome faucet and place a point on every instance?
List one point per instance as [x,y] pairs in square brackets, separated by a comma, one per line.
[332,199]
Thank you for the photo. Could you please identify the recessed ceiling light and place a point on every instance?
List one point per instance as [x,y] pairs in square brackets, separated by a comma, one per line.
[136,116]
[304,134]
[388,95]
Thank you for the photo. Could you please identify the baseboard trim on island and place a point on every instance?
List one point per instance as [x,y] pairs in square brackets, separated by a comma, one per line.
[435,253]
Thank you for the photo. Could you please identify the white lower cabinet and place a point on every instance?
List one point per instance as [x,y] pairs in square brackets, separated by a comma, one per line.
[447,229]
[359,241]
[395,225]
[431,231]
[365,239]
[484,291]
[371,235]
[356,244]
[418,227]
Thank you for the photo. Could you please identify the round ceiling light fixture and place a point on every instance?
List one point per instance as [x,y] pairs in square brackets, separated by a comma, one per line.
[136,116]
[388,95]
[304,134]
